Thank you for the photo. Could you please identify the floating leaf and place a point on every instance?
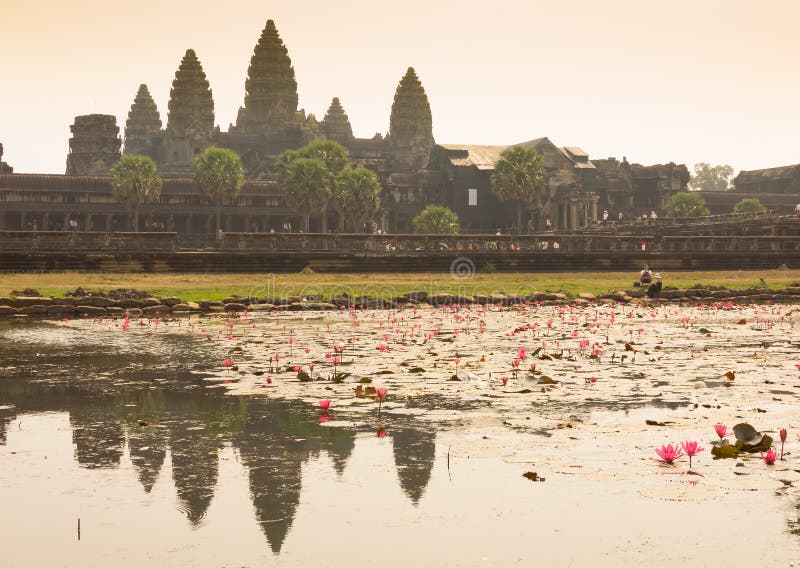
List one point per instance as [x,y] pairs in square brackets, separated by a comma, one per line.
[547,381]
[416,370]
[725,449]
[340,377]
[751,440]
[741,322]
[303,377]
[731,375]
[365,380]
[532,475]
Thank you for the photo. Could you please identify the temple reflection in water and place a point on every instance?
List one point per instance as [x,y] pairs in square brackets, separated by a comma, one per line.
[187,428]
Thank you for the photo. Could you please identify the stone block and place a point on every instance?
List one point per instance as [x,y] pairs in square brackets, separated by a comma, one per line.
[60,310]
[38,310]
[24,301]
[8,311]
[171,301]
[89,311]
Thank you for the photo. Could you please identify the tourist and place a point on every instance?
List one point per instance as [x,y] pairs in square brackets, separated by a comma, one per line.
[797,209]
[620,216]
[605,216]
[548,224]
[655,288]
[645,276]
[652,217]
[530,226]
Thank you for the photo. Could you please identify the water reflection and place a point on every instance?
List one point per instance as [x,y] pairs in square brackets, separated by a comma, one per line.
[150,398]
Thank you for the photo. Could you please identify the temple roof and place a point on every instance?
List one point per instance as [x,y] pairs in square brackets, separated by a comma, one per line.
[485,157]
[755,176]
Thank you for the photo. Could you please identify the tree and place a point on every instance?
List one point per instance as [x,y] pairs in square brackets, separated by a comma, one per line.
[711,178]
[437,220]
[218,174]
[333,155]
[519,175]
[135,180]
[357,195]
[749,206]
[686,204]
[306,184]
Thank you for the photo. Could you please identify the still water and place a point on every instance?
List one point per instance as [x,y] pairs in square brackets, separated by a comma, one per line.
[117,452]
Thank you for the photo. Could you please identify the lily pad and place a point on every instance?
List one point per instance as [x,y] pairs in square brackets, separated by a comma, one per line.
[752,440]
[303,377]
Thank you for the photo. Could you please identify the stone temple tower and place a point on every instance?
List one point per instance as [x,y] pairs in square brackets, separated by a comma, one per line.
[410,125]
[143,127]
[190,122]
[270,99]
[94,146]
[336,124]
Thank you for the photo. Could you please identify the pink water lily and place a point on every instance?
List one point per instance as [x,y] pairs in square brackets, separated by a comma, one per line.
[325,404]
[783,435]
[721,430]
[669,453]
[691,449]
[769,457]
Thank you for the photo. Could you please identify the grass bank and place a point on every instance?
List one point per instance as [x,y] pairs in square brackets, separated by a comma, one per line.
[216,286]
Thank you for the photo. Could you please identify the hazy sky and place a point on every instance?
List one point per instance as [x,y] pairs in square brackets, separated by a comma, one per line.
[683,80]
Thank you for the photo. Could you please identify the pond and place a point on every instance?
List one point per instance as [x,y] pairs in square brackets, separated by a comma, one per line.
[131,442]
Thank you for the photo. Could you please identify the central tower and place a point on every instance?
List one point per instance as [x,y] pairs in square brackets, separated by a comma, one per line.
[270,99]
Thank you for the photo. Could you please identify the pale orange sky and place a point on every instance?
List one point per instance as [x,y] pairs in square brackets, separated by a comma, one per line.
[683,81]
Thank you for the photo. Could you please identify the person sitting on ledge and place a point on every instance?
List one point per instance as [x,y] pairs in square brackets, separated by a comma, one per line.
[645,276]
[655,288]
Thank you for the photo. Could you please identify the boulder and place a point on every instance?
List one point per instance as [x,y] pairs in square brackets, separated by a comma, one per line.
[261,307]
[171,301]
[5,301]
[441,299]
[63,302]
[39,310]
[115,311]
[89,311]
[588,296]
[793,290]
[208,304]
[186,307]
[150,302]
[235,307]
[7,311]
[60,310]
[418,295]
[102,302]
[130,303]
[133,312]
[24,301]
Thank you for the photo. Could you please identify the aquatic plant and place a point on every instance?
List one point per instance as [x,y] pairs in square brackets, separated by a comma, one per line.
[769,457]
[691,449]
[669,453]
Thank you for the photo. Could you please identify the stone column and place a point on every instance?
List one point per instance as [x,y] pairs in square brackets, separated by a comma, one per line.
[109,216]
[573,216]
[87,226]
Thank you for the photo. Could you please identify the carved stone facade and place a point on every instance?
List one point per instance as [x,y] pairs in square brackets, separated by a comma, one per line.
[143,127]
[190,122]
[785,179]
[633,189]
[94,146]
[410,125]
[4,168]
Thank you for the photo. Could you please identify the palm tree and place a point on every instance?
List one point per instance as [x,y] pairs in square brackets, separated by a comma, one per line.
[357,195]
[436,220]
[519,175]
[218,174]
[135,180]
[306,184]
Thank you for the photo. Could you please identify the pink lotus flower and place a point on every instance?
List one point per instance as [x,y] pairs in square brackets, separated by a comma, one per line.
[505,380]
[381,393]
[522,354]
[381,433]
[783,435]
[691,449]
[227,362]
[297,368]
[668,453]
[769,457]
[721,430]
[325,404]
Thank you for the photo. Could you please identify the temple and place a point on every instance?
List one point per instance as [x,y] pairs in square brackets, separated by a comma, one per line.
[412,168]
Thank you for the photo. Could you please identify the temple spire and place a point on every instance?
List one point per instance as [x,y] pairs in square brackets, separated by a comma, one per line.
[336,124]
[143,127]
[190,122]
[271,88]
[411,125]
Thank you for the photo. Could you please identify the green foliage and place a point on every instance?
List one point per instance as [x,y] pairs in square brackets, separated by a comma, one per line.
[749,206]
[436,219]
[306,184]
[519,175]
[333,156]
[219,175]
[357,195]
[711,178]
[135,180]
[686,204]
[488,268]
